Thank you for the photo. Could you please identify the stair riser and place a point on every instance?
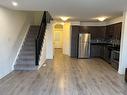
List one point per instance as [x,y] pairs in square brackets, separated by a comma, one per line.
[26,58]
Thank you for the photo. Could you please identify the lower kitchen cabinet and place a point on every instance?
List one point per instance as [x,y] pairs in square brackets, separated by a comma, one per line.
[107,54]
[96,51]
[101,51]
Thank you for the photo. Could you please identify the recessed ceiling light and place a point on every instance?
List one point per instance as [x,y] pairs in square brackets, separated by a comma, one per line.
[64,18]
[102,18]
[14,3]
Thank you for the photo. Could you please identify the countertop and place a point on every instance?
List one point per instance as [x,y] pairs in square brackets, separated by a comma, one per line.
[109,45]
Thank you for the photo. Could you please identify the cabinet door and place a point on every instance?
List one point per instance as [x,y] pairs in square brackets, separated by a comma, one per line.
[102,51]
[74,41]
[117,31]
[97,32]
[107,54]
[109,32]
[84,29]
[95,51]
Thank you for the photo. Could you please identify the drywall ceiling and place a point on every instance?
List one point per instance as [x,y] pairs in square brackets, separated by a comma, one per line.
[81,10]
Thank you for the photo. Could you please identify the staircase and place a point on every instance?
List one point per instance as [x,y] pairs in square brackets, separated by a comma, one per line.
[26,58]
[30,54]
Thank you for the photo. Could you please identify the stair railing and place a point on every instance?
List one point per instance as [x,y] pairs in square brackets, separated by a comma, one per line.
[40,36]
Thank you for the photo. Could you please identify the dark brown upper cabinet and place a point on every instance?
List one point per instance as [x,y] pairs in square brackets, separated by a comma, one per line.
[84,29]
[97,32]
[117,31]
[109,32]
[113,31]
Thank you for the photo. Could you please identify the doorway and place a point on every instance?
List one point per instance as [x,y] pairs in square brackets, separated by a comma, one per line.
[62,37]
[58,36]
[58,39]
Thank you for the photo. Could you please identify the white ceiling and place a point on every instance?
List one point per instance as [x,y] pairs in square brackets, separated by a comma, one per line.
[82,10]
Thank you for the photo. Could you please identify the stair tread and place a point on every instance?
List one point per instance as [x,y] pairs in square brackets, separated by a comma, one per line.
[26,58]
[25,63]
[25,67]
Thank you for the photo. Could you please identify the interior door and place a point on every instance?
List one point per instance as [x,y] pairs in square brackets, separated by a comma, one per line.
[58,43]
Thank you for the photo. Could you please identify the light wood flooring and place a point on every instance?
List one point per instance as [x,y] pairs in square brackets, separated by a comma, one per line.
[66,76]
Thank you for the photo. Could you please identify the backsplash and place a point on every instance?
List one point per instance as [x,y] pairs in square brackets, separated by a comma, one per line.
[113,42]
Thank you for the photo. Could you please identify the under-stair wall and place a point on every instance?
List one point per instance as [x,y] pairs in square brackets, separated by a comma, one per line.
[47,49]
[43,53]
[49,41]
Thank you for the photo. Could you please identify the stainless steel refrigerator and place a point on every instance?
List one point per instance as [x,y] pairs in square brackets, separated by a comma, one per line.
[84,45]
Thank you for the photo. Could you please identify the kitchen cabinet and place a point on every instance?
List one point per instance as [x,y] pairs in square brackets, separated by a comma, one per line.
[84,29]
[117,31]
[100,34]
[101,51]
[97,51]
[74,41]
[109,32]
[113,31]
[107,54]
[97,32]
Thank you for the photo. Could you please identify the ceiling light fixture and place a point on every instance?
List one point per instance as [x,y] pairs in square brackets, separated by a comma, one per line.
[14,3]
[64,18]
[102,18]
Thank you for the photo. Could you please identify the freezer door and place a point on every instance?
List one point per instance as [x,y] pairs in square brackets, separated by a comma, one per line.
[84,38]
[84,50]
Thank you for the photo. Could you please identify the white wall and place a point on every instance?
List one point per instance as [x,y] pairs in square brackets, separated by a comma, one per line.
[67,39]
[116,20]
[47,48]
[49,41]
[112,21]
[43,54]
[13,27]
[93,23]
[123,47]
[37,17]
[76,23]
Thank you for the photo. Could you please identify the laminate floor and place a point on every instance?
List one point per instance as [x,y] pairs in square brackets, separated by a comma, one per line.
[66,76]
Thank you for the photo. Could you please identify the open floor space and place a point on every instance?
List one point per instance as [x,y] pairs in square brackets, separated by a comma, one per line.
[66,76]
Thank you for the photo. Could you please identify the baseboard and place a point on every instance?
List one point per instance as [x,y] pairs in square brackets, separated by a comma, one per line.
[121,72]
[4,75]
[40,65]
